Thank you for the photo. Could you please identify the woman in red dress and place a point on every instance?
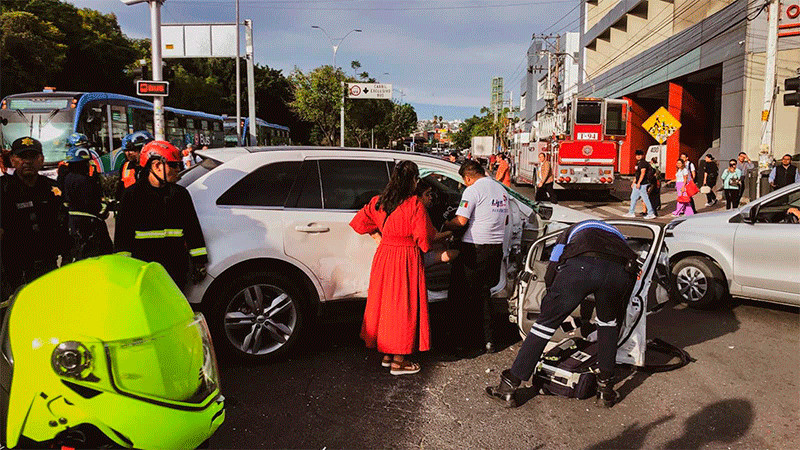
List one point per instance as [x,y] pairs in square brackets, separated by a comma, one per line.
[396,316]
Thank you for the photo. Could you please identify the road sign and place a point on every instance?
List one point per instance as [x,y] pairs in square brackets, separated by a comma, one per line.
[661,125]
[369,91]
[152,88]
[189,40]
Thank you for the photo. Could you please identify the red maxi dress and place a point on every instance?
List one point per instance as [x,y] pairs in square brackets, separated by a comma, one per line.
[396,316]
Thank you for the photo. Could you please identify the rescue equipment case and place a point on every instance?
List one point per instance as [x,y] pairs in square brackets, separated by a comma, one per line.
[567,370]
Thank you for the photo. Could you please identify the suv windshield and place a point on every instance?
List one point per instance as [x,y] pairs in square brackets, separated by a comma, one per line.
[51,128]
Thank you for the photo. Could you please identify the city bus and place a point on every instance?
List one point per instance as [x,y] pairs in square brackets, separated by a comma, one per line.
[267,134]
[51,116]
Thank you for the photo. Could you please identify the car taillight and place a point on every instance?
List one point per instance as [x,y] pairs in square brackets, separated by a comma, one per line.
[603,179]
[568,179]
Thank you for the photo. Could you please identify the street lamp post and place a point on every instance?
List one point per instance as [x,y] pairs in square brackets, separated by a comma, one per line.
[335,44]
[155,43]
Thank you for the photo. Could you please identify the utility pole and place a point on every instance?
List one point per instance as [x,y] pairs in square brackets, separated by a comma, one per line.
[341,118]
[238,82]
[155,43]
[765,154]
[251,83]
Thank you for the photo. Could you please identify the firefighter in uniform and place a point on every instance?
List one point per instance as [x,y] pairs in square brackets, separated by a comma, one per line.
[157,220]
[132,145]
[33,220]
[84,196]
[590,257]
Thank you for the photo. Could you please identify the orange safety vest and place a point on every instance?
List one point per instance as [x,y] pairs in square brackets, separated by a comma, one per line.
[128,174]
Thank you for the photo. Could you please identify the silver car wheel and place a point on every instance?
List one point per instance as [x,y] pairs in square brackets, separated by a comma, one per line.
[260,319]
[692,283]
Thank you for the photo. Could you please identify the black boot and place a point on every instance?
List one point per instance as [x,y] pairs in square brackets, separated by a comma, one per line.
[606,396]
[504,392]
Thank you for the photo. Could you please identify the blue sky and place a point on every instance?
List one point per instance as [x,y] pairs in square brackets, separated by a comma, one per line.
[442,54]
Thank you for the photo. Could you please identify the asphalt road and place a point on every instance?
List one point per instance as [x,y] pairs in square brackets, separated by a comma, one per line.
[741,392]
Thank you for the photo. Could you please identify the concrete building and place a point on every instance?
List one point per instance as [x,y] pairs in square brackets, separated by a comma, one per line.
[703,60]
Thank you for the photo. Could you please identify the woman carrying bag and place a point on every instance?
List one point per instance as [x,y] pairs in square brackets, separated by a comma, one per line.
[731,180]
[686,189]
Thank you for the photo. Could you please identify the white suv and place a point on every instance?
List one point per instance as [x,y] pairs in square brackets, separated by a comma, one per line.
[276,224]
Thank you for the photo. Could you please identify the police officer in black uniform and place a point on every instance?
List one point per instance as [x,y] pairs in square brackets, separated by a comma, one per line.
[33,223]
[84,196]
[157,220]
[590,257]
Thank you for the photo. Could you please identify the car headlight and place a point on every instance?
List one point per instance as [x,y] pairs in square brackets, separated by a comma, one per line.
[671,226]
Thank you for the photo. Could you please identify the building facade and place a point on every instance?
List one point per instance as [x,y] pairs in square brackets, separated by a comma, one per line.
[702,60]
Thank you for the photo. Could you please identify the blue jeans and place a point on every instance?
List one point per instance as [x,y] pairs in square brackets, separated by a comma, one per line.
[641,192]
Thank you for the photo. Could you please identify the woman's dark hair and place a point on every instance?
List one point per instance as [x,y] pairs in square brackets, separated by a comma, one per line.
[401,186]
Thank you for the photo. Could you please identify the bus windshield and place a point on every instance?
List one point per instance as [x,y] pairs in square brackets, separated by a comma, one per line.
[51,128]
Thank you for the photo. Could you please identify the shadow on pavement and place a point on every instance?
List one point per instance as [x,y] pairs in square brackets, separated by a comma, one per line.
[633,436]
[724,422]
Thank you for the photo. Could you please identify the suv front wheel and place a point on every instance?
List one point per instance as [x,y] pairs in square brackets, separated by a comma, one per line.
[699,282]
[258,316]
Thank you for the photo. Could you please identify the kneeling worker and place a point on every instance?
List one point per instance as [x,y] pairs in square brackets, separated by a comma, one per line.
[590,257]
[157,220]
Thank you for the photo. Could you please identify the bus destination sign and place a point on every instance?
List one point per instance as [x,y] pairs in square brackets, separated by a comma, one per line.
[152,88]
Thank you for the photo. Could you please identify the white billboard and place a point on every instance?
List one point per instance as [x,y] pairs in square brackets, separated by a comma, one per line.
[198,40]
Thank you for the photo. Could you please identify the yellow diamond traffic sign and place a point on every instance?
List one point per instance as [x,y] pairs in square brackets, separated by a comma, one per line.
[661,125]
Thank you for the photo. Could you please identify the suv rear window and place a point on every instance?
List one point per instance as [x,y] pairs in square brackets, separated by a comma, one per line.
[267,186]
[350,184]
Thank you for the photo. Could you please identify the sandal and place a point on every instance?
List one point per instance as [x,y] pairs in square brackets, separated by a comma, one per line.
[386,361]
[405,367]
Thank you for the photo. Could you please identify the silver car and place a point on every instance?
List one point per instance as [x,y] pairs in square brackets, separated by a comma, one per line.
[751,252]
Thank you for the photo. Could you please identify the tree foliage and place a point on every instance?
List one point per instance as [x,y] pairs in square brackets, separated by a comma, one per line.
[22,68]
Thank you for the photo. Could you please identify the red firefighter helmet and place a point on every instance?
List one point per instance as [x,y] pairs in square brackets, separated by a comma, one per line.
[159,150]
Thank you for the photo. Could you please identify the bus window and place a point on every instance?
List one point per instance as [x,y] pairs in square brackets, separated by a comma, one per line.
[204,124]
[189,124]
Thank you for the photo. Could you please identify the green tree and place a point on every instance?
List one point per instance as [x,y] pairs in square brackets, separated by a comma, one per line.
[32,53]
[317,99]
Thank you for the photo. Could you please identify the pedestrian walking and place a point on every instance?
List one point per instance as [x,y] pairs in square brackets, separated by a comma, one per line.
[396,316]
[84,196]
[692,171]
[157,220]
[483,210]
[784,174]
[503,174]
[590,257]
[744,165]
[709,174]
[682,178]
[33,219]
[654,187]
[731,181]
[544,181]
[639,187]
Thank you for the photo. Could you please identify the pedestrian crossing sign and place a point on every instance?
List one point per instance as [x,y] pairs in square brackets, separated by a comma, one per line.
[661,125]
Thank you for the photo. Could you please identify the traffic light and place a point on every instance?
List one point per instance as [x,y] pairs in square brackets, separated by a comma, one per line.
[791,98]
[140,70]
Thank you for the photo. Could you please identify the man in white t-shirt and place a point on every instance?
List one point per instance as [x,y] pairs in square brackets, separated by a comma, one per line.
[484,211]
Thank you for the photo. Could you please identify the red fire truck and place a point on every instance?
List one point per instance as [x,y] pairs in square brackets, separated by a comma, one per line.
[582,143]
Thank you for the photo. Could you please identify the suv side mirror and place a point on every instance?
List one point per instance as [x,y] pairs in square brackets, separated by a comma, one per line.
[749,215]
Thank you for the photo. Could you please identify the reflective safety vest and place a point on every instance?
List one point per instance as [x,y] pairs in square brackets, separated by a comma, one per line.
[128,174]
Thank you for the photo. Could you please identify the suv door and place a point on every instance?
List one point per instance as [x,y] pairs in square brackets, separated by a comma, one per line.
[317,218]
[766,254]
[646,239]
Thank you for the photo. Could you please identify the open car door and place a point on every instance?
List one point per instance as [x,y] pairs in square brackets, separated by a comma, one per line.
[647,240]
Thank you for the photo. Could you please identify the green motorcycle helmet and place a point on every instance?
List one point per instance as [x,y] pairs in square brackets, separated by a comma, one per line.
[115,359]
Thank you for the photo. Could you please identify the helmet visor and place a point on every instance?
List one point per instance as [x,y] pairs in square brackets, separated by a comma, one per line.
[176,366]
